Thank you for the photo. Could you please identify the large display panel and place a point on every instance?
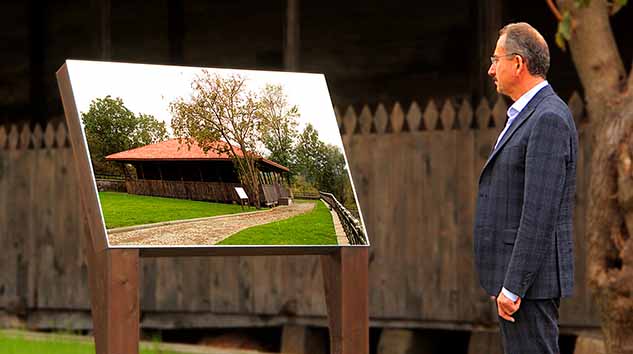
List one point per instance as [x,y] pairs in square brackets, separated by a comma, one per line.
[185,156]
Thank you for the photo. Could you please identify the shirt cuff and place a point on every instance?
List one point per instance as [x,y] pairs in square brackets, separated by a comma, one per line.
[510,295]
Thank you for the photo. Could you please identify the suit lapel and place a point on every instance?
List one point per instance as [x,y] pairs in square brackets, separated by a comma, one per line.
[518,121]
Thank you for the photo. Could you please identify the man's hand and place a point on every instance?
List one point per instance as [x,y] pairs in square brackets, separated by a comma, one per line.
[505,307]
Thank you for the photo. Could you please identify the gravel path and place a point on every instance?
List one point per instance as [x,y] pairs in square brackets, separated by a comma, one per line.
[205,232]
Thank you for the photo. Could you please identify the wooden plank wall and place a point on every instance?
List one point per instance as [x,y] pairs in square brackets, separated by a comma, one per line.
[415,171]
[209,191]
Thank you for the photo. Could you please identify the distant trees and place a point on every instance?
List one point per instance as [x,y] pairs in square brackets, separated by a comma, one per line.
[111,127]
[223,109]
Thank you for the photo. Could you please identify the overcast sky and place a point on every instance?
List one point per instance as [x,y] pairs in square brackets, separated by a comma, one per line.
[150,88]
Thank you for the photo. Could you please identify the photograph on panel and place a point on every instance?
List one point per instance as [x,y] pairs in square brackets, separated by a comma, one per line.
[186,156]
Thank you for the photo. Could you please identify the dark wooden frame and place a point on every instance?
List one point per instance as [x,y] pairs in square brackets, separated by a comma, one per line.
[114,272]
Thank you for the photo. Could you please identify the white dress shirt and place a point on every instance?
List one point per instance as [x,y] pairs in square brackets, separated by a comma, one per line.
[513,112]
[518,106]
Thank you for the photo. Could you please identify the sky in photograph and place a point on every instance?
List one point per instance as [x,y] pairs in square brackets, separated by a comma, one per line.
[150,88]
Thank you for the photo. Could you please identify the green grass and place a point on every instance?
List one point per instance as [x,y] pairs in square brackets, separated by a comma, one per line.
[312,228]
[122,209]
[19,344]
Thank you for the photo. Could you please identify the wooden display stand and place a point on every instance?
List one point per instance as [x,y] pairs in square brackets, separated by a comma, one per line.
[114,272]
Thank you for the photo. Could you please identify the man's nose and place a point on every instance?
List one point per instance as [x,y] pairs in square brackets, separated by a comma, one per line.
[491,70]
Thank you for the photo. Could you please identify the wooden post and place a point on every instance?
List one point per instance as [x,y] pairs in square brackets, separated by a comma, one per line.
[489,22]
[113,277]
[176,30]
[105,29]
[291,43]
[37,15]
[114,291]
[345,276]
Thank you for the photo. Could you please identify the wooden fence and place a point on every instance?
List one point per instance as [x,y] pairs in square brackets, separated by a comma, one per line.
[207,191]
[415,172]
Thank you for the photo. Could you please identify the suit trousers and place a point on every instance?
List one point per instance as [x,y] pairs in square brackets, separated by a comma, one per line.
[535,330]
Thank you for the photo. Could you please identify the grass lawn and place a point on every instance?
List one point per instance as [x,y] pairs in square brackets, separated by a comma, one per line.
[122,209]
[312,228]
[18,344]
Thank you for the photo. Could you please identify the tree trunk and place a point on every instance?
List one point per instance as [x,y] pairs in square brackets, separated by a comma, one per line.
[609,220]
[610,257]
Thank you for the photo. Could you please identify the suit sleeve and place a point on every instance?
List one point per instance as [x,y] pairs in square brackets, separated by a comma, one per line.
[545,166]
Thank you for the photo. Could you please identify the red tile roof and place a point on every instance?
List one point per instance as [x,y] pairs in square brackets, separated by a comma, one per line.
[173,150]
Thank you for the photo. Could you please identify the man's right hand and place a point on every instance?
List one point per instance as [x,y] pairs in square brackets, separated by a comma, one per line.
[506,307]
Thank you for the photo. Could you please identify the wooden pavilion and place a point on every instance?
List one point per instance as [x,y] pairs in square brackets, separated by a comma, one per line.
[173,169]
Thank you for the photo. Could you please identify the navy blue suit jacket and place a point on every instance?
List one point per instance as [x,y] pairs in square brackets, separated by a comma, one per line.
[524,216]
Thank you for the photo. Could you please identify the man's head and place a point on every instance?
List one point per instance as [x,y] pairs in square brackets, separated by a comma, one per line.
[520,60]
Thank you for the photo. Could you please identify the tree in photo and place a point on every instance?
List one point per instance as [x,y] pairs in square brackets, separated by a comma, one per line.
[333,173]
[220,115]
[278,124]
[322,165]
[309,154]
[111,127]
[585,26]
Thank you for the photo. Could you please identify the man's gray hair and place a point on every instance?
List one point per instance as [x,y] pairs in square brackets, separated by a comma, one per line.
[523,39]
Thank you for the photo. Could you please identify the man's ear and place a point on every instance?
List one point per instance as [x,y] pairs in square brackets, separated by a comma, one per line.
[519,62]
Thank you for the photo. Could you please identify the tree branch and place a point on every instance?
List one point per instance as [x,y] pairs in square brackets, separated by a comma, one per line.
[554,9]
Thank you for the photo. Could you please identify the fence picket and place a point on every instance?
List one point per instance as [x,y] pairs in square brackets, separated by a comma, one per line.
[365,122]
[36,137]
[397,119]
[414,117]
[482,114]
[350,121]
[465,115]
[49,136]
[14,137]
[499,112]
[381,119]
[447,116]
[431,116]
[61,135]
[24,138]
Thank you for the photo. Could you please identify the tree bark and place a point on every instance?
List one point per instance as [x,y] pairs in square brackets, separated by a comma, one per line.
[610,215]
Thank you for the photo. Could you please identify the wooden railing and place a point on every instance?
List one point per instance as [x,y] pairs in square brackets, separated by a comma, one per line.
[352,226]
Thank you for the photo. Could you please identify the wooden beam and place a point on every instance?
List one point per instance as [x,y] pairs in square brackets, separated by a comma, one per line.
[489,22]
[292,37]
[37,12]
[176,30]
[345,276]
[105,29]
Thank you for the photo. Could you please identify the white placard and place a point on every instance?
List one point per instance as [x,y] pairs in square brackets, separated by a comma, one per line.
[241,193]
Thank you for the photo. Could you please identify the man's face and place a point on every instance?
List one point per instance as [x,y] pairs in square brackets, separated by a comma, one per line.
[502,69]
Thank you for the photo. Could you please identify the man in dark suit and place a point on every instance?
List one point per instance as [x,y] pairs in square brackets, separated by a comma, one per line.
[523,223]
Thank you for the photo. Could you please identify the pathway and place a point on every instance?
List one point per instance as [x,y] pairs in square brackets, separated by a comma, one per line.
[209,231]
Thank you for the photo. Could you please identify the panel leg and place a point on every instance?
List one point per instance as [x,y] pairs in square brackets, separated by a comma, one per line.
[114,291]
[345,276]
